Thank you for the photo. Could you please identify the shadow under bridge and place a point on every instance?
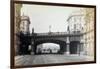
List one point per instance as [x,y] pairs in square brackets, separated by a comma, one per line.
[61,43]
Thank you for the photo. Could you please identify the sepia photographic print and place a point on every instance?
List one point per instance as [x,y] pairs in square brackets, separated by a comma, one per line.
[48,34]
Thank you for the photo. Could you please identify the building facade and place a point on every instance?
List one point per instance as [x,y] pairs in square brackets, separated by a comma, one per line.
[24,35]
[75,26]
[17,18]
[25,24]
[83,23]
[76,23]
[89,31]
[21,23]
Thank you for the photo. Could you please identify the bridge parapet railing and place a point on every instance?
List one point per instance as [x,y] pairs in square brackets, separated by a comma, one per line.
[58,34]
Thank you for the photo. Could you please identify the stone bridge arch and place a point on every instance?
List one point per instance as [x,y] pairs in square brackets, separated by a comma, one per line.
[61,43]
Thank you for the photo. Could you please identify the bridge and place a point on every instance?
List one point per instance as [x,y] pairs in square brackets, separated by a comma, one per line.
[69,43]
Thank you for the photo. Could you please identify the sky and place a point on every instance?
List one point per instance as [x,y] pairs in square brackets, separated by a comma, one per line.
[42,17]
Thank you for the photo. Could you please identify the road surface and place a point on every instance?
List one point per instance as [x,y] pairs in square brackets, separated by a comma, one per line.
[49,59]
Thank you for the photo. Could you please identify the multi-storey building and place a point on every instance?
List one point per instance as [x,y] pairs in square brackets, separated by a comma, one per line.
[75,22]
[24,35]
[89,31]
[21,24]
[17,26]
[75,26]
[25,24]
[83,23]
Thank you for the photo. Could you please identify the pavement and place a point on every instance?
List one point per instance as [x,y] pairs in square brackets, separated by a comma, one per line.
[49,59]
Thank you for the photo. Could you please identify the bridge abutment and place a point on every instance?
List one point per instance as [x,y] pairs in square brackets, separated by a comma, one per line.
[67,49]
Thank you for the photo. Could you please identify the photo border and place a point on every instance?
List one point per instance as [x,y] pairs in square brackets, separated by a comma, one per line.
[12,51]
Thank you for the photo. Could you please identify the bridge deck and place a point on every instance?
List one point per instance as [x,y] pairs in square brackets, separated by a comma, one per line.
[54,34]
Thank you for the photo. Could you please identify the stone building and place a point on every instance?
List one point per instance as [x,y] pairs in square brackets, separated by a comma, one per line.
[76,22]
[89,31]
[75,27]
[17,19]
[24,35]
[21,23]
[25,24]
[82,22]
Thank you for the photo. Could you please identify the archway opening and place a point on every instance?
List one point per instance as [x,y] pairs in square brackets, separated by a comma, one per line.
[48,48]
[74,47]
[62,44]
